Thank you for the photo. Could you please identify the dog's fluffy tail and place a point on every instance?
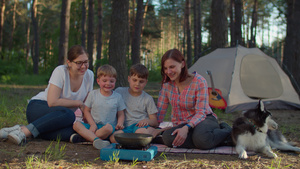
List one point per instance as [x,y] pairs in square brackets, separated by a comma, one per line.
[277,141]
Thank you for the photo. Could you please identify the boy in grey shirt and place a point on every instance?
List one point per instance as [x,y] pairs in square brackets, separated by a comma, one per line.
[140,113]
[104,111]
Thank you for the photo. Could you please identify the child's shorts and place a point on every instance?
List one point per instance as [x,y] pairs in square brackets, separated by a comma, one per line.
[132,128]
[99,126]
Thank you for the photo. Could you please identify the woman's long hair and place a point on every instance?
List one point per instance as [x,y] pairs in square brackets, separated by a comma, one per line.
[176,55]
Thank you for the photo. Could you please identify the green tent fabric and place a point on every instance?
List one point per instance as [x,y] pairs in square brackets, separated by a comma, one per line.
[245,75]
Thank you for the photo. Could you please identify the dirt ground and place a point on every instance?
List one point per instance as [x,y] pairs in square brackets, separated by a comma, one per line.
[85,156]
[34,153]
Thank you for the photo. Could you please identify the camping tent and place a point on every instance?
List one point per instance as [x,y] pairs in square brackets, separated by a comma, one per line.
[245,75]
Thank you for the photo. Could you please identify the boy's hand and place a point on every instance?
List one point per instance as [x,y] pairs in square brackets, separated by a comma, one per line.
[93,128]
[142,123]
[119,126]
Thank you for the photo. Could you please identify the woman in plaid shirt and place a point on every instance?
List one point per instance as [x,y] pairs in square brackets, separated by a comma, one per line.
[195,125]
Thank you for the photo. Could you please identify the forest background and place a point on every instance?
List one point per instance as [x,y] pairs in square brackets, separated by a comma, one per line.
[35,35]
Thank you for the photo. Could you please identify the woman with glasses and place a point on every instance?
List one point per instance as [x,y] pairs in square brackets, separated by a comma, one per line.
[50,114]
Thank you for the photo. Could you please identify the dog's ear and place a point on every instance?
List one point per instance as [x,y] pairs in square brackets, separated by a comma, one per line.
[261,105]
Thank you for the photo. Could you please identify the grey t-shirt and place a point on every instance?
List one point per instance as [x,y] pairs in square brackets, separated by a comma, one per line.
[104,109]
[137,108]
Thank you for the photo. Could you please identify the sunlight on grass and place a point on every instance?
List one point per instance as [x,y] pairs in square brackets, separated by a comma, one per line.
[13,102]
[276,163]
[55,152]
[115,158]
[11,116]
[134,162]
[52,153]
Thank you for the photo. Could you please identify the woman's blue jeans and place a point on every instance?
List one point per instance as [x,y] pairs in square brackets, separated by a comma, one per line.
[49,123]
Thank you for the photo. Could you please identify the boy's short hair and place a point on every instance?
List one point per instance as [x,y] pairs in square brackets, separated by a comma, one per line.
[106,70]
[139,70]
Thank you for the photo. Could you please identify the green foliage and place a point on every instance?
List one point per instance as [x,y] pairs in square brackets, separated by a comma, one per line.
[154,76]
[222,116]
[55,152]
[25,79]
[11,66]
[14,70]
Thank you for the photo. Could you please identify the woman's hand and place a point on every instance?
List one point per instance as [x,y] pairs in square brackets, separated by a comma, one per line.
[181,136]
[80,105]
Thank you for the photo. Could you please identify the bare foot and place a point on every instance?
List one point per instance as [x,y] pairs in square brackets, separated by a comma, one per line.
[156,132]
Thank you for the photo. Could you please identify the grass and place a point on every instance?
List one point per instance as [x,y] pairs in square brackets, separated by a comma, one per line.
[55,153]
[52,153]
[13,102]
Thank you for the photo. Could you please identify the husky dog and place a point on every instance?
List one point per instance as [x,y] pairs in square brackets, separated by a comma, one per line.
[250,132]
[256,131]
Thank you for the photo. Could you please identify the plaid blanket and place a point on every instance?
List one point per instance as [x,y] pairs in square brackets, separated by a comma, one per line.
[217,150]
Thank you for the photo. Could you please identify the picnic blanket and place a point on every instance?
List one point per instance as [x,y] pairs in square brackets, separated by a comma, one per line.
[218,150]
[226,150]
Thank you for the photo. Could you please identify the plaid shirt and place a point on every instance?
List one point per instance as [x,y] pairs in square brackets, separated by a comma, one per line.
[191,105]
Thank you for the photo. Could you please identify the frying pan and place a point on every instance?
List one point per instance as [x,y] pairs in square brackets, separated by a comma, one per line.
[133,139]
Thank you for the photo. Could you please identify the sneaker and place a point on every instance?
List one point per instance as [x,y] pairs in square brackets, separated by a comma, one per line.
[99,144]
[76,138]
[5,131]
[17,136]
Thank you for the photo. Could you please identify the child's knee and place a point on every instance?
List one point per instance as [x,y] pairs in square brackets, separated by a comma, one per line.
[76,125]
[108,128]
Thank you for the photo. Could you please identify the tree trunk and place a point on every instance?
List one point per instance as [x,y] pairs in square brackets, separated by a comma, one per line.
[90,45]
[199,29]
[83,25]
[218,26]
[64,31]
[291,61]
[27,46]
[176,23]
[131,22]
[196,29]
[99,39]
[232,22]
[253,25]
[2,12]
[238,21]
[13,26]
[188,34]
[118,39]
[35,56]
[136,40]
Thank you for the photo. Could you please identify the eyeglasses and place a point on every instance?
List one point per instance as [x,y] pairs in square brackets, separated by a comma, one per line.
[80,63]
